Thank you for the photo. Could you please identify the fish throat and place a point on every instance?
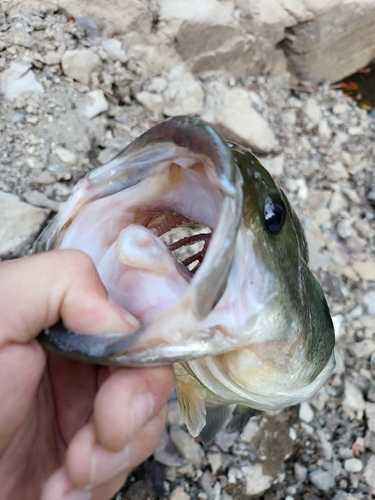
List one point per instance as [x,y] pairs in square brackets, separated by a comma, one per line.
[186,238]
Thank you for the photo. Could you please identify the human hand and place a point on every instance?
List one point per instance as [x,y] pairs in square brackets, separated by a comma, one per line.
[69,430]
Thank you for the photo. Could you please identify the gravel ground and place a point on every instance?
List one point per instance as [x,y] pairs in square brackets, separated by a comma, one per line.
[59,118]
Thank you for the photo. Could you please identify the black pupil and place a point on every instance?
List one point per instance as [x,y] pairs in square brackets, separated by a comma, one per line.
[274,216]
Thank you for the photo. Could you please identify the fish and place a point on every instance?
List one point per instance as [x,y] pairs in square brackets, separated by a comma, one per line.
[191,235]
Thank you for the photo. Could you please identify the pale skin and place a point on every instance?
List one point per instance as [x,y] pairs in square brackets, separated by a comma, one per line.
[69,430]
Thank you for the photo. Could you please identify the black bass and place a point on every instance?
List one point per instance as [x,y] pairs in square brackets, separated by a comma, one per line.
[241,317]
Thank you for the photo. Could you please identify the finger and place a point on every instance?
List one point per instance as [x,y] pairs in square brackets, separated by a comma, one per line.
[21,368]
[36,291]
[111,468]
[59,487]
[90,465]
[130,397]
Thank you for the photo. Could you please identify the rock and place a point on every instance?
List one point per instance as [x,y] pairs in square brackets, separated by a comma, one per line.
[158,85]
[80,64]
[52,58]
[336,172]
[322,480]
[324,131]
[326,445]
[370,415]
[94,103]
[215,461]
[337,204]
[345,229]
[249,431]
[20,225]
[225,440]
[362,349]
[353,403]
[18,79]
[179,494]
[66,156]
[300,472]
[312,111]
[184,94]
[41,200]
[114,49]
[137,491]
[166,452]
[232,112]
[88,25]
[340,108]
[365,269]
[353,465]
[43,178]
[306,413]
[256,481]
[369,302]
[369,473]
[316,56]
[186,445]
[153,102]
[275,165]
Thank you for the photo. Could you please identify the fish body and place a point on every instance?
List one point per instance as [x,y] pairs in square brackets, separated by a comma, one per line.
[242,317]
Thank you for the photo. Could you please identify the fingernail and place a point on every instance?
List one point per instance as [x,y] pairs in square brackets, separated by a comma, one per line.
[78,495]
[129,318]
[105,465]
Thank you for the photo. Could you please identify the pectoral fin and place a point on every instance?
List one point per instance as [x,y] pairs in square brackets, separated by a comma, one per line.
[216,418]
[240,418]
[192,407]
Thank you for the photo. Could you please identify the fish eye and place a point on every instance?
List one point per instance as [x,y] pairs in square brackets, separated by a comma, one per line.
[274,215]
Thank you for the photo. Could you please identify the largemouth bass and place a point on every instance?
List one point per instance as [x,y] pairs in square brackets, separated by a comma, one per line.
[241,317]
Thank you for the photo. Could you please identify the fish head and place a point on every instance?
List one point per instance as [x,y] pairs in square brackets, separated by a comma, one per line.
[280,318]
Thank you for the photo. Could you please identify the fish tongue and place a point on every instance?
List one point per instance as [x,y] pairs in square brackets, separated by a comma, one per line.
[138,247]
[141,274]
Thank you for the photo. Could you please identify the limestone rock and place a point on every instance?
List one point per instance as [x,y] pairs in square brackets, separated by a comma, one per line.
[114,49]
[94,103]
[80,64]
[232,112]
[186,445]
[179,494]
[317,49]
[153,102]
[66,156]
[122,16]
[184,94]
[256,481]
[274,165]
[20,224]
[362,349]
[19,79]
[306,413]
[365,269]
[312,111]
[322,480]
[369,473]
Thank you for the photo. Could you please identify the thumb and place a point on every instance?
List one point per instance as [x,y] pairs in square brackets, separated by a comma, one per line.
[36,291]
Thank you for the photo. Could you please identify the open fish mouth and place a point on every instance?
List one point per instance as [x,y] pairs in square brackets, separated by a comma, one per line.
[167,246]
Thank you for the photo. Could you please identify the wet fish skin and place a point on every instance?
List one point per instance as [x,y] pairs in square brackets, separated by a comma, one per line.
[292,339]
